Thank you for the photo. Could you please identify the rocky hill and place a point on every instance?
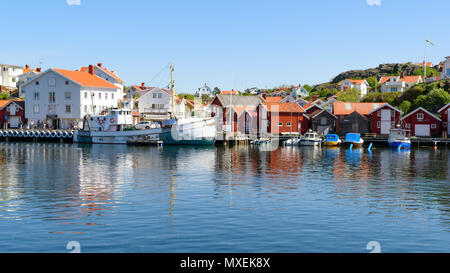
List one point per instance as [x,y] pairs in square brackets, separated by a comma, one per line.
[382,70]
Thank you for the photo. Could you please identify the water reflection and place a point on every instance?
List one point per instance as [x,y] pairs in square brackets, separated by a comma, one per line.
[80,188]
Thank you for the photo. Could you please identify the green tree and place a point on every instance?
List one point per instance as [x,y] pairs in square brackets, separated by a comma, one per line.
[350,95]
[405,106]
[432,101]
[373,82]
[216,90]
[4,96]
[431,72]
[307,87]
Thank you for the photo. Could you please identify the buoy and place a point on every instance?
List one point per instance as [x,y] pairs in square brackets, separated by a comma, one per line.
[15,133]
[70,134]
[58,134]
[20,134]
[4,133]
[53,134]
[48,134]
[64,134]
[42,134]
[26,134]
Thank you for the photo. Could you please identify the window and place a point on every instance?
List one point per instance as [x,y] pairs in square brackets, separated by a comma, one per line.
[36,108]
[85,95]
[448,72]
[68,108]
[392,113]
[407,125]
[288,124]
[106,96]
[394,89]
[36,95]
[379,113]
[67,82]
[51,81]
[68,95]
[52,109]
[445,124]
[112,96]
[100,95]
[155,95]
[420,116]
[85,108]
[159,95]
[51,97]
[323,121]
[37,82]
[392,124]
[280,123]
[378,124]
[433,126]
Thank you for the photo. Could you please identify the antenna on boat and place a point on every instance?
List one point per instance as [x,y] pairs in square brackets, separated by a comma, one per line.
[172,83]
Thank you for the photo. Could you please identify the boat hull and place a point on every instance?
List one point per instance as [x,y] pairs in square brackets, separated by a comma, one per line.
[331,143]
[401,144]
[355,144]
[186,132]
[309,142]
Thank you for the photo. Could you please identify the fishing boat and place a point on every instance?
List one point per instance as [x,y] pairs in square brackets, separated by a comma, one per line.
[115,126]
[310,139]
[398,139]
[353,139]
[261,141]
[332,140]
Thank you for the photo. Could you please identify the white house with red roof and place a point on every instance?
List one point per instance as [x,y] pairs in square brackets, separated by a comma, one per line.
[361,85]
[106,74]
[62,98]
[156,104]
[398,83]
[445,68]
[9,74]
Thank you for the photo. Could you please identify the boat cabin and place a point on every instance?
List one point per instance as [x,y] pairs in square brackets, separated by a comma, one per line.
[112,120]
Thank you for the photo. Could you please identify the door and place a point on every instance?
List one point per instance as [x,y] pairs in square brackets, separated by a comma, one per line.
[448,122]
[422,130]
[385,122]
[14,122]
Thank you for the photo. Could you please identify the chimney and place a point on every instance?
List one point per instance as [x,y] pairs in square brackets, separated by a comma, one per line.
[143,84]
[91,69]
[38,69]
[402,75]
[264,95]
[27,66]
[99,64]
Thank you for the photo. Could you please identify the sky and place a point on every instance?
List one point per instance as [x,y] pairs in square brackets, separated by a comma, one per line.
[230,44]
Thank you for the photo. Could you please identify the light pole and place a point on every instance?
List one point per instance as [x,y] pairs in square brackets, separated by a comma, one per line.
[425,58]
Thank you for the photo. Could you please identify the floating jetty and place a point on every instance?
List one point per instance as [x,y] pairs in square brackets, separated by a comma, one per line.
[37,135]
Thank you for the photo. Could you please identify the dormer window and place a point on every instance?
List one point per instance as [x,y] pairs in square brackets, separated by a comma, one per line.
[420,116]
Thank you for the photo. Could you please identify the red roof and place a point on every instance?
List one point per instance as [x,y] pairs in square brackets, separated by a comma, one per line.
[429,64]
[341,108]
[283,107]
[273,99]
[234,92]
[85,79]
[86,69]
[410,79]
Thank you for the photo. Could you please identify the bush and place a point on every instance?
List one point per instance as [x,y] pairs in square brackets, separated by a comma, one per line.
[388,97]
[350,95]
[432,101]
[405,106]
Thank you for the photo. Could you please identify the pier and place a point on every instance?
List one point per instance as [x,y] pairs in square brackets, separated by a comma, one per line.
[23,135]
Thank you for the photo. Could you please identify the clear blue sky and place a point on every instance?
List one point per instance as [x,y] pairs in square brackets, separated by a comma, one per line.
[229,44]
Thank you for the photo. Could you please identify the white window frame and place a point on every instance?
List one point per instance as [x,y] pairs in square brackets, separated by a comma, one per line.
[288,124]
[280,124]
[433,126]
[420,116]
[36,106]
[408,125]
[51,81]
[70,108]
[68,97]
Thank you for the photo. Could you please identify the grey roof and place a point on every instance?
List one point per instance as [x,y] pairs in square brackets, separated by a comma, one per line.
[226,100]
[11,65]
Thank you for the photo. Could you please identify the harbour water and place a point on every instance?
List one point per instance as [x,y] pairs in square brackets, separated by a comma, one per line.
[118,198]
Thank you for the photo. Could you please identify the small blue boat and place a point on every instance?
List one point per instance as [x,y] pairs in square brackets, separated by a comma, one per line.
[398,139]
[353,138]
[331,140]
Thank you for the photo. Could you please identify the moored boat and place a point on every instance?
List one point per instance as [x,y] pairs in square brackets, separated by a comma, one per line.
[398,139]
[353,139]
[310,139]
[292,142]
[332,140]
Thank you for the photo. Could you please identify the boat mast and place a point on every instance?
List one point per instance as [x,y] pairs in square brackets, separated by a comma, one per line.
[172,115]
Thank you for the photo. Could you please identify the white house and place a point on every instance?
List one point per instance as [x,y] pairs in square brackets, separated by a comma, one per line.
[361,85]
[398,83]
[9,75]
[62,98]
[156,104]
[204,90]
[445,68]
[28,74]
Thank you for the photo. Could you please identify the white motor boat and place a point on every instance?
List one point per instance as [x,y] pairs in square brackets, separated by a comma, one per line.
[310,139]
